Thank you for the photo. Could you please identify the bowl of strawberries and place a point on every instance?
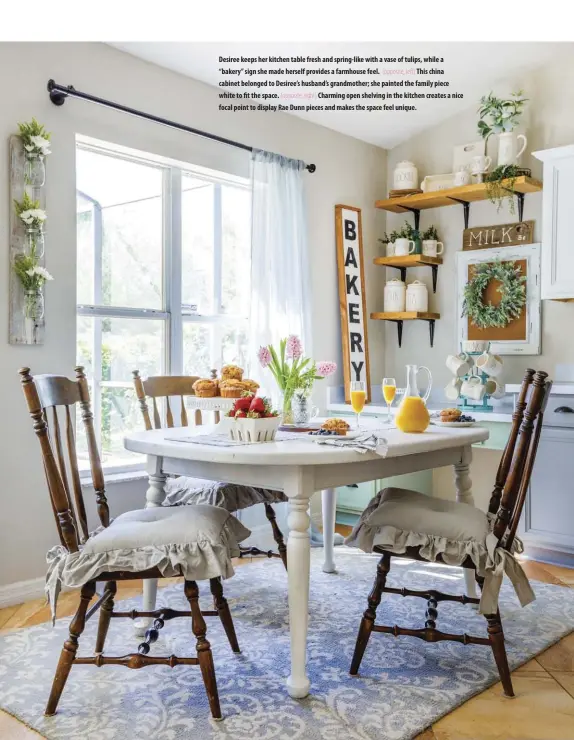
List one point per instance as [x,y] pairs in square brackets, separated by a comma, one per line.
[252,419]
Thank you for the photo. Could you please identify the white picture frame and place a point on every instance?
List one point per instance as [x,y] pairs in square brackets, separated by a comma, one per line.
[531,253]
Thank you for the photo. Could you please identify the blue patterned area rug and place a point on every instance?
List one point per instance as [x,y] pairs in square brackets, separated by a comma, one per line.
[405,684]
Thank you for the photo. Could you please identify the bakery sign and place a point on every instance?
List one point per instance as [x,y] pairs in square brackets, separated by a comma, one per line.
[352,303]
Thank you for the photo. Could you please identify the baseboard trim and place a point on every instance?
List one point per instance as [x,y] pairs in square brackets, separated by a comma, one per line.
[18,593]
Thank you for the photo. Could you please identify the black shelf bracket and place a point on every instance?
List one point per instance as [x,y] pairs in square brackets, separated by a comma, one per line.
[417,213]
[466,210]
[431,330]
[520,198]
[434,269]
[399,323]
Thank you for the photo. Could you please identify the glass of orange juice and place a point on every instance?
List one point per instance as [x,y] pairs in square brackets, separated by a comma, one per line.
[389,392]
[358,397]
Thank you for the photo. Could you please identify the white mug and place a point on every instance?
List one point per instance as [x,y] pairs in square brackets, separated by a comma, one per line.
[404,247]
[459,365]
[494,389]
[431,247]
[452,389]
[475,345]
[480,163]
[461,177]
[489,364]
[473,388]
[391,249]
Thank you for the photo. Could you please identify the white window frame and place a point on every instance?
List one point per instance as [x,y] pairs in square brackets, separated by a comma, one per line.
[172,312]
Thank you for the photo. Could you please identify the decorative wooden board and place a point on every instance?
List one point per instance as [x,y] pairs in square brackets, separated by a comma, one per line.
[352,301]
[16,321]
[499,235]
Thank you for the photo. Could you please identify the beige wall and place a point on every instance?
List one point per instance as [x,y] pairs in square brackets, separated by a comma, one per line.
[348,171]
[548,123]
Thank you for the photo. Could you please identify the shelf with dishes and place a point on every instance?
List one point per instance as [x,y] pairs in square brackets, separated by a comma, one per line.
[411,260]
[399,317]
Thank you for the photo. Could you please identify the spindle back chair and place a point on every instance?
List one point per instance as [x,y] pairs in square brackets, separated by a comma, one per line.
[162,387]
[48,397]
[506,504]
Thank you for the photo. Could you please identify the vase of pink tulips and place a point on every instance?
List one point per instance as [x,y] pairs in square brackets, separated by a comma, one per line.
[292,371]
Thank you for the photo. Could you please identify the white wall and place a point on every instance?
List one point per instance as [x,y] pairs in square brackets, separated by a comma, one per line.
[548,123]
[348,171]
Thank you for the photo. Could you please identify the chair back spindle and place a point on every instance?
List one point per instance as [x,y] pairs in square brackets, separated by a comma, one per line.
[164,387]
[522,460]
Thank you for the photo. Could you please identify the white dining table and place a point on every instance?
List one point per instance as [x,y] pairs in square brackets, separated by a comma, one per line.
[299,468]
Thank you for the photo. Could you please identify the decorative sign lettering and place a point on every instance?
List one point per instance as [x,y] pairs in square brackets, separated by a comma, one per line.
[501,235]
[352,301]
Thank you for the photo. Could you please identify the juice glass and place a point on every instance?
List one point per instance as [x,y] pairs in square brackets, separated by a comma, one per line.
[389,392]
[358,397]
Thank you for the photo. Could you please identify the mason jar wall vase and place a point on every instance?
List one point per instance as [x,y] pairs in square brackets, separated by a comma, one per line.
[35,170]
[33,313]
[35,242]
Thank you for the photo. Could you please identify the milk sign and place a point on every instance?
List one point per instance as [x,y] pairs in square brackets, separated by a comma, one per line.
[352,301]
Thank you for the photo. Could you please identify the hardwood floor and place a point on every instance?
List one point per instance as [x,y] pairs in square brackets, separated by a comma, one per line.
[543,708]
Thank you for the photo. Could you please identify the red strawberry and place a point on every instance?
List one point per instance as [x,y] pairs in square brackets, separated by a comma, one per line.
[242,404]
[257,404]
[240,414]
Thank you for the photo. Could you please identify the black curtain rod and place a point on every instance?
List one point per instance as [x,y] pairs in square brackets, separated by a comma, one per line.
[59,93]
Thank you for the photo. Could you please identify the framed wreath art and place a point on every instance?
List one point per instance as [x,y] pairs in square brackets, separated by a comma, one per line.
[498,298]
[512,290]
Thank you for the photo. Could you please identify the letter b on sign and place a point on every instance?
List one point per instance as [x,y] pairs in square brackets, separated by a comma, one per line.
[350,230]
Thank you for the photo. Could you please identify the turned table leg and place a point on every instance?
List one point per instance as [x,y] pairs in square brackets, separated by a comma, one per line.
[463,485]
[329,510]
[155,496]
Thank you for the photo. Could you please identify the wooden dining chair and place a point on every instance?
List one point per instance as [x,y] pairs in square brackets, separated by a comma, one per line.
[129,541]
[160,388]
[393,507]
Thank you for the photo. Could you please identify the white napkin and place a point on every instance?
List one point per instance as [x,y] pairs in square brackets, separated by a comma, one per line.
[367,442]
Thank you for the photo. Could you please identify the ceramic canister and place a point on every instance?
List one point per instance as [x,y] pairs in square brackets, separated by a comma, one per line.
[417,297]
[405,176]
[395,296]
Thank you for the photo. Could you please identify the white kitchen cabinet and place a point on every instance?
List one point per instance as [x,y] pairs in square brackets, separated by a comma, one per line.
[557,223]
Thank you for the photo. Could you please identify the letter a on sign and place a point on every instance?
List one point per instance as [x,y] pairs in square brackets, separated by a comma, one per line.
[352,297]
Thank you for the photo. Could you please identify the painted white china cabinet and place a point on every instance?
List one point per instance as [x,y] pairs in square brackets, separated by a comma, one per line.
[557,223]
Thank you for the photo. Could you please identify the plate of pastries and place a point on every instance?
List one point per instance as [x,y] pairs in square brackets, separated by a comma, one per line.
[334,428]
[231,384]
[455,418]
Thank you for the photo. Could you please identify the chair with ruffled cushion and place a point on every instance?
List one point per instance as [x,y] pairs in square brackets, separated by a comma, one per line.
[402,523]
[182,490]
[197,543]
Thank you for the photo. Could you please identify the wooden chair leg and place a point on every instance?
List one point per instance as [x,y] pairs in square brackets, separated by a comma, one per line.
[277,533]
[496,637]
[203,648]
[70,648]
[370,614]
[105,616]
[222,607]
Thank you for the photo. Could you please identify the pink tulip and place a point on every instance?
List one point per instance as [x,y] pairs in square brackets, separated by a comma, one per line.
[326,368]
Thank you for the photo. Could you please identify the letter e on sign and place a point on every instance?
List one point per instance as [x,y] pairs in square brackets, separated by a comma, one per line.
[352,302]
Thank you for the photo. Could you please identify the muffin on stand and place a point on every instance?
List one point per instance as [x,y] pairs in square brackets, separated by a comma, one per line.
[205,388]
[231,372]
[250,385]
[231,388]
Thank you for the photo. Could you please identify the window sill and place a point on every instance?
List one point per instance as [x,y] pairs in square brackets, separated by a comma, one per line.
[113,478]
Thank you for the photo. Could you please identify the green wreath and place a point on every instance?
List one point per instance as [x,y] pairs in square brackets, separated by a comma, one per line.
[512,289]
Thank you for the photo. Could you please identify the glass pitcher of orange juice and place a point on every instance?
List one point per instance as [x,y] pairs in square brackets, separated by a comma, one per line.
[413,415]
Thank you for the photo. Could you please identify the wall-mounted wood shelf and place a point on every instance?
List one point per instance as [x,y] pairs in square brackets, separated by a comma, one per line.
[411,260]
[463,195]
[400,316]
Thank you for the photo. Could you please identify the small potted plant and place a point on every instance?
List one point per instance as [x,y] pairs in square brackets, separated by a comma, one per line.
[496,191]
[430,243]
[501,117]
[33,217]
[36,142]
[389,242]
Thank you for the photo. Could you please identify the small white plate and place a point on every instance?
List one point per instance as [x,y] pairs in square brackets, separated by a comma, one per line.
[458,424]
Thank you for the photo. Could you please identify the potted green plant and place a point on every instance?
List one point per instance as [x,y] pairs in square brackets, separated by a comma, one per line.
[501,116]
[496,191]
[431,247]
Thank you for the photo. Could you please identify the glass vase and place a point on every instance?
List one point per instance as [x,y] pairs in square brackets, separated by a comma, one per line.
[33,314]
[34,170]
[35,242]
[285,404]
[302,409]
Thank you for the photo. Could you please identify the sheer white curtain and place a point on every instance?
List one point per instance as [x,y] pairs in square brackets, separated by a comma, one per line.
[280,285]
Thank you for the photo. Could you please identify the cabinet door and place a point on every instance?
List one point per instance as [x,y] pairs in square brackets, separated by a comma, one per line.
[557,223]
[548,518]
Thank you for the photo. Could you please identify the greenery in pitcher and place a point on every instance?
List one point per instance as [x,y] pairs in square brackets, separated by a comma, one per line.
[431,234]
[497,115]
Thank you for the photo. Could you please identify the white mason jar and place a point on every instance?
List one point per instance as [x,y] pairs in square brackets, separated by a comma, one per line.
[405,176]
[394,298]
[417,298]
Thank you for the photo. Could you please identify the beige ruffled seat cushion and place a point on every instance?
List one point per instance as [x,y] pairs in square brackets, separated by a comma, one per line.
[397,519]
[197,542]
[230,496]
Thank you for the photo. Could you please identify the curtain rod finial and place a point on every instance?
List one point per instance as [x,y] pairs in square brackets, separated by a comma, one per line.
[57,97]
[310,168]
